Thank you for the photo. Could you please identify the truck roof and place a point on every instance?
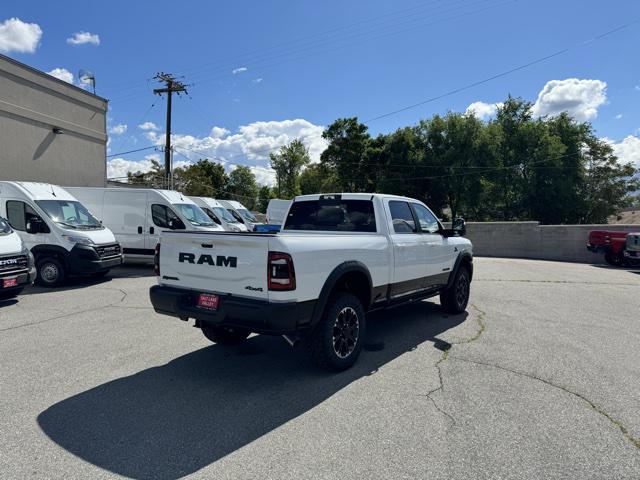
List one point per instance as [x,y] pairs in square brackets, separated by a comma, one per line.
[37,190]
[350,196]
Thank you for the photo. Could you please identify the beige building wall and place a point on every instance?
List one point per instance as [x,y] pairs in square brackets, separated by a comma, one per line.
[32,104]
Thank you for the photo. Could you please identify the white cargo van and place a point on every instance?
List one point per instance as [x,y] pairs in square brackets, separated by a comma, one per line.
[219,214]
[17,266]
[277,210]
[241,213]
[62,235]
[138,215]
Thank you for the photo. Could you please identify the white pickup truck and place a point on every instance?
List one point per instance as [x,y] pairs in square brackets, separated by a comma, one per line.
[337,257]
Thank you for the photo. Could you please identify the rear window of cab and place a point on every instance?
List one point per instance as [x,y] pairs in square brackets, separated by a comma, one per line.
[332,216]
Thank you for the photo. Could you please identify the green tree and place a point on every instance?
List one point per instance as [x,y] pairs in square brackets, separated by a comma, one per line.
[318,178]
[288,163]
[265,194]
[203,179]
[348,142]
[242,186]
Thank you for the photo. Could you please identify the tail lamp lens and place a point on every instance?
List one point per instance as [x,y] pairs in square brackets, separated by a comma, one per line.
[281,274]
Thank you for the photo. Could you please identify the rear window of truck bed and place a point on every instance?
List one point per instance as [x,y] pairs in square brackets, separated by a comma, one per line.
[332,216]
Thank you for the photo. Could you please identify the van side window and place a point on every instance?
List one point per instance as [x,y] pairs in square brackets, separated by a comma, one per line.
[161,215]
[428,222]
[19,213]
[402,217]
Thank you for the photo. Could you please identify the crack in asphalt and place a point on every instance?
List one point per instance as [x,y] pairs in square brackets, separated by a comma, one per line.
[58,317]
[617,423]
[445,354]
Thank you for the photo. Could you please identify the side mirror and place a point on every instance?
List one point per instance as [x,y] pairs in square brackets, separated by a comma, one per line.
[176,224]
[459,227]
[36,225]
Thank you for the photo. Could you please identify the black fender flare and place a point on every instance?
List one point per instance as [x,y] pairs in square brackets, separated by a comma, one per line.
[332,280]
[464,258]
[57,251]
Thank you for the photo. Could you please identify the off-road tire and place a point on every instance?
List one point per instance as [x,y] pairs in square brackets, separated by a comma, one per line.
[455,298]
[337,339]
[225,336]
[51,272]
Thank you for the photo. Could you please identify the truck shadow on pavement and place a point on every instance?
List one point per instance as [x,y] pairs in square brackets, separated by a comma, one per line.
[172,420]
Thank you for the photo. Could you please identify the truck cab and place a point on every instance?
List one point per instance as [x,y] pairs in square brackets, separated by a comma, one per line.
[63,236]
[17,265]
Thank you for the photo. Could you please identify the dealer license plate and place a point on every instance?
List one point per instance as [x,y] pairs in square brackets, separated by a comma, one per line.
[208,301]
[9,282]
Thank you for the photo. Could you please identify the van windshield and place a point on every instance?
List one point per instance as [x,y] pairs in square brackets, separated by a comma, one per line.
[224,214]
[5,228]
[194,214]
[247,215]
[70,214]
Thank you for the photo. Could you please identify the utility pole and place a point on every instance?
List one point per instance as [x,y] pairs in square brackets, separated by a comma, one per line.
[172,85]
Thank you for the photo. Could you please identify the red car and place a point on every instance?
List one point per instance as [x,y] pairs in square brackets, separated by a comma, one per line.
[611,243]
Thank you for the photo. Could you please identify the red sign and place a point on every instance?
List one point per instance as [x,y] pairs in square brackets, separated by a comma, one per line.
[208,301]
[9,282]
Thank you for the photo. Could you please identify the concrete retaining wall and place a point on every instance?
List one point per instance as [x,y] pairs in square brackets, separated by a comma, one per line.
[531,240]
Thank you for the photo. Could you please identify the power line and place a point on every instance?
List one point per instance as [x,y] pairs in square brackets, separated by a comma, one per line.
[505,73]
[131,151]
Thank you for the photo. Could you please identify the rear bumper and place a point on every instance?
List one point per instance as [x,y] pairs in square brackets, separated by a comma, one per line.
[259,316]
[85,260]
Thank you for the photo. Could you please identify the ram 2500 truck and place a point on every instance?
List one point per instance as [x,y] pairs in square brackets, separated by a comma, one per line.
[337,257]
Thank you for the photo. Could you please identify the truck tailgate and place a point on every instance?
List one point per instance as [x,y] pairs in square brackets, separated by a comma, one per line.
[225,263]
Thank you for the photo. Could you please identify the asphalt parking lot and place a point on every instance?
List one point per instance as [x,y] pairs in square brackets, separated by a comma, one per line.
[540,379]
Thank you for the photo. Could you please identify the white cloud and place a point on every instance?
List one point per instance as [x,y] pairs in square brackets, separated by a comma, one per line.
[118,129]
[250,145]
[580,98]
[618,116]
[257,80]
[235,71]
[628,150]
[483,110]
[18,36]
[219,132]
[80,38]
[62,74]
[119,167]
[264,176]
[148,126]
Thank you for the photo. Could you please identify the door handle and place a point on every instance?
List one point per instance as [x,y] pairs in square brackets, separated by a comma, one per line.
[139,229]
[151,230]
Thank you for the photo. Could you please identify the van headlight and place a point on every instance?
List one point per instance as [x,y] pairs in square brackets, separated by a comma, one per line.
[78,239]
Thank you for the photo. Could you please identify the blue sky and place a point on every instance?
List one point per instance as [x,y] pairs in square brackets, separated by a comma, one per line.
[299,65]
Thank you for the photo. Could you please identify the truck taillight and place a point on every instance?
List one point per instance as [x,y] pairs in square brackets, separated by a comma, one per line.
[607,239]
[280,272]
[156,260]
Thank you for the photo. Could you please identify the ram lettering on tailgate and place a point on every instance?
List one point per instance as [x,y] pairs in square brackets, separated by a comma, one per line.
[218,261]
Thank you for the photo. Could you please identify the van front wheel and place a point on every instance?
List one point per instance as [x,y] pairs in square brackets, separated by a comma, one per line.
[50,272]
